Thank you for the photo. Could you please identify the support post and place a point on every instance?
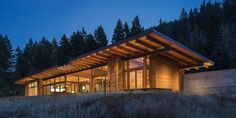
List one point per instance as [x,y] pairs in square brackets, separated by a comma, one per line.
[91,81]
[181,80]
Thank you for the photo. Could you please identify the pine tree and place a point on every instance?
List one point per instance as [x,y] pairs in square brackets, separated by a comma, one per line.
[43,58]
[5,54]
[90,43]
[183,14]
[28,52]
[5,60]
[126,30]
[77,44]
[20,67]
[64,51]
[100,37]
[118,33]
[54,51]
[136,26]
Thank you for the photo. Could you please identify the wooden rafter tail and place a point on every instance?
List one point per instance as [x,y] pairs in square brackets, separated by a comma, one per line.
[126,50]
[145,44]
[117,52]
[136,47]
[177,51]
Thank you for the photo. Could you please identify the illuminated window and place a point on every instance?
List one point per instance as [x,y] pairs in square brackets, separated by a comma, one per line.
[132,80]
[134,73]
[139,79]
[32,89]
[72,78]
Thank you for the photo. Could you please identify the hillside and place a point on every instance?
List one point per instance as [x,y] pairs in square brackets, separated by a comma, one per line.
[149,104]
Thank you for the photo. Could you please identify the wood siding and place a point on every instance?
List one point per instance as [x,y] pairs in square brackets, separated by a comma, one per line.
[115,74]
[164,73]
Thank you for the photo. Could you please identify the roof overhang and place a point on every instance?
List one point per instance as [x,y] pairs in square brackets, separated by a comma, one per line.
[146,43]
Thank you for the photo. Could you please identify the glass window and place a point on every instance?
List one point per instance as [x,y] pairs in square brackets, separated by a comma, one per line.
[138,62]
[98,84]
[132,80]
[72,78]
[32,89]
[148,80]
[62,78]
[57,79]
[139,79]
[126,80]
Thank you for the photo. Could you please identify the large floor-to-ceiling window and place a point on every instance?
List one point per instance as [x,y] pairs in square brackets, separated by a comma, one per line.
[100,79]
[54,85]
[91,80]
[137,73]
[32,89]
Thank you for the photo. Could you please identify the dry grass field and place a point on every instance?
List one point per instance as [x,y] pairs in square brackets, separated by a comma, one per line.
[119,105]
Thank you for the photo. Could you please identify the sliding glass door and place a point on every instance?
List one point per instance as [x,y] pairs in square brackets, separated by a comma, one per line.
[132,80]
[135,78]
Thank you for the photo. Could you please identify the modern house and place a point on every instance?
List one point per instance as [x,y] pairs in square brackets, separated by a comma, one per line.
[148,60]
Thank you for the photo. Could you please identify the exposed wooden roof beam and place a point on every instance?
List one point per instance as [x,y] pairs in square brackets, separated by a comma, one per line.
[107,53]
[96,59]
[126,49]
[135,47]
[177,51]
[80,64]
[117,52]
[148,53]
[156,41]
[99,57]
[180,61]
[76,65]
[145,44]
[87,61]
[102,55]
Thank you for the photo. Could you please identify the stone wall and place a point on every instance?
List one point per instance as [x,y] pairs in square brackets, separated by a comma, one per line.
[222,82]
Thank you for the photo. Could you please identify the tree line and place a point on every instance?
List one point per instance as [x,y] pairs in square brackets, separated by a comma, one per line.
[209,30]
[45,53]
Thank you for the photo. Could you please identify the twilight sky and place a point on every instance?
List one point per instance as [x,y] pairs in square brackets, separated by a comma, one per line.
[22,19]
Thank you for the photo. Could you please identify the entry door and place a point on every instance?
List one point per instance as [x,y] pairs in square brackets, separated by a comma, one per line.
[136,79]
[139,79]
[132,80]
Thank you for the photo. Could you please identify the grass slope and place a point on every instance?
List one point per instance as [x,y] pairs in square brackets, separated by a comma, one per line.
[119,105]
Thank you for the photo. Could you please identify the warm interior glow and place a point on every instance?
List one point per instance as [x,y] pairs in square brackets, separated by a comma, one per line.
[32,89]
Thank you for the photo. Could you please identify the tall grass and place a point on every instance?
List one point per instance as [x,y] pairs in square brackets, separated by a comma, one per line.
[119,105]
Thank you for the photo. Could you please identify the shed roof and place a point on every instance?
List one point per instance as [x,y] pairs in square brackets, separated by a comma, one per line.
[139,45]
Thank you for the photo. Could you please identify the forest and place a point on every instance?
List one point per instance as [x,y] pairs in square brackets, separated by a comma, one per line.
[209,30]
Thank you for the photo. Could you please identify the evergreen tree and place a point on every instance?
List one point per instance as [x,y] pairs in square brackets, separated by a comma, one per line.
[183,14]
[28,52]
[136,26]
[64,51]
[77,44]
[54,51]
[126,30]
[100,37]
[43,58]
[5,59]
[118,33]
[20,67]
[5,54]
[90,43]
